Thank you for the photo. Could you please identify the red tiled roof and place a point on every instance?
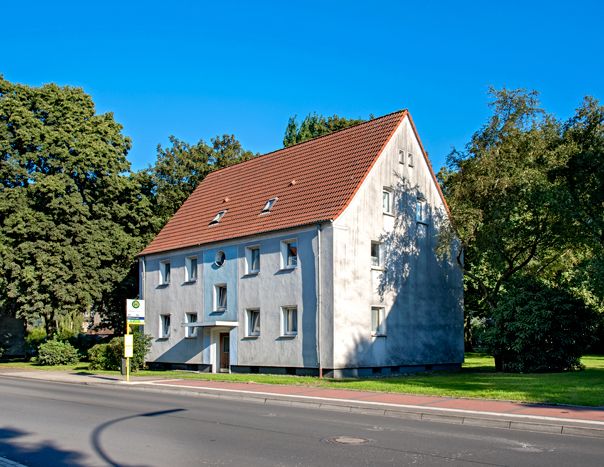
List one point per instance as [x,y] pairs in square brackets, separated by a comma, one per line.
[314,181]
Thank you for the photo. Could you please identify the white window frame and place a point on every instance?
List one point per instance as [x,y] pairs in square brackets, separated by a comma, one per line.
[421,211]
[389,208]
[190,271]
[217,306]
[379,257]
[410,157]
[378,321]
[286,312]
[285,258]
[249,258]
[218,217]
[164,331]
[165,271]
[251,331]
[269,205]
[191,331]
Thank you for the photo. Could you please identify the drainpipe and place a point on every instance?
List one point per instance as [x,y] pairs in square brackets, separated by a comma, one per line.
[142,291]
[319,360]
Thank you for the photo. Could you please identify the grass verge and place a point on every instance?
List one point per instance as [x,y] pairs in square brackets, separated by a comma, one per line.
[477,379]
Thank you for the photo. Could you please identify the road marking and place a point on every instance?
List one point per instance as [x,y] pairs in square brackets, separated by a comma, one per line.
[384,404]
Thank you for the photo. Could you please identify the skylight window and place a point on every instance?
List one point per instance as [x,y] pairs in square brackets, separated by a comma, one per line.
[218,217]
[269,205]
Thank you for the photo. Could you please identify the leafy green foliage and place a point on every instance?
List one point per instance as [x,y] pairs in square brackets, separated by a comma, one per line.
[109,356]
[313,126]
[180,167]
[536,328]
[55,352]
[525,201]
[72,216]
[34,338]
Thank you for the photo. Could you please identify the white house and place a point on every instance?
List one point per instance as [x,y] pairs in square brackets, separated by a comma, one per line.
[315,258]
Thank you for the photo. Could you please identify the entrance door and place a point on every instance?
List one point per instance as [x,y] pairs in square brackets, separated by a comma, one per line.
[224,351]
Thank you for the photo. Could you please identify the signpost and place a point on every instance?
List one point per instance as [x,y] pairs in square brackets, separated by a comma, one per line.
[135,316]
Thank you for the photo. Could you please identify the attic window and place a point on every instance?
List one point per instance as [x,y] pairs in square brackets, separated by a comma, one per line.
[218,217]
[269,205]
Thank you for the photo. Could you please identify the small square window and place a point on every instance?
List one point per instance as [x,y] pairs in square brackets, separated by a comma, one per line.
[220,297]
[164,326]
[387,201]
[164,272]
[252,260]
[289,320]
[218,217]
[269,205]
[376,254]
[378,321]
[401,156]
[410,159]
[253,323]
[190,331]
[289,254]
[191,269]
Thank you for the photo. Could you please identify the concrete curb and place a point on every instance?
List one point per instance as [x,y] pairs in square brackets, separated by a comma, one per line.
[418,413]
[577,428]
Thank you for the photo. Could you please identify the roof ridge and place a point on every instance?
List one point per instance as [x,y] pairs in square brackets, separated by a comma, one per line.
[356,125]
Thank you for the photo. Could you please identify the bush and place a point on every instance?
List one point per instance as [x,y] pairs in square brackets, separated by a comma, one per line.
[536,328]
[109,356]
[35,337]
[55,352]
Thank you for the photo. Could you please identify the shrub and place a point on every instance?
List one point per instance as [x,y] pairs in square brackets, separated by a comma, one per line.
[55,352]
[109,356]
[34,338]
[536,327]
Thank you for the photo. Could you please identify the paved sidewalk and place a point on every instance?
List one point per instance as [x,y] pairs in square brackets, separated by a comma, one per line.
[586,421]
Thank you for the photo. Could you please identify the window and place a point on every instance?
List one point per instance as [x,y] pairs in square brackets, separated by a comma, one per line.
[164,272]
[253,323]
[190,331]
[218,217]
[289,254]
[252,259]
[387,201]
[220,297]
[421,211]
[410,159]
[191,268]
[378,321]
[376,254]
[269,205]
[290,320]
[164,326]
[220,258]
[401,156]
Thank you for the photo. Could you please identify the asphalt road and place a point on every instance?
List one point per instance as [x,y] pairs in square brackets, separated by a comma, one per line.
[44,423]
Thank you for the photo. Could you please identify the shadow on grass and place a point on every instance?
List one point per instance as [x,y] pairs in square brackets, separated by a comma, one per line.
[13,447]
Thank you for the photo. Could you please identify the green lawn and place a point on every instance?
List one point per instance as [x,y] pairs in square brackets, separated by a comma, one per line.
[477,379]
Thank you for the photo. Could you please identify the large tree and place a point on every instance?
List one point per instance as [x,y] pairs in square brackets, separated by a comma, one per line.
[522,200]
[180,167]
[72,216]
[314,125]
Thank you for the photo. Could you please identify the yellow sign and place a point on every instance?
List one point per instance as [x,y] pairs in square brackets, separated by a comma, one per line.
[128,346]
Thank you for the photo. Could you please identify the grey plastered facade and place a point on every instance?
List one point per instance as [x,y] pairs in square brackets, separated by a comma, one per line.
[334,287]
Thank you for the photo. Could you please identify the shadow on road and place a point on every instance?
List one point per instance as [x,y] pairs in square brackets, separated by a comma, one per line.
[98,431]
[15,446]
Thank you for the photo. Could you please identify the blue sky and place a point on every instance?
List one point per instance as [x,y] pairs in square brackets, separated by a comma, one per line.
[198,69]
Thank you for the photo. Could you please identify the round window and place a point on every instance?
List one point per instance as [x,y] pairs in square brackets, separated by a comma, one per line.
[220,257]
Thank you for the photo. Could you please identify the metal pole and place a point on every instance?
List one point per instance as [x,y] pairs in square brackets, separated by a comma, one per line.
[127,358]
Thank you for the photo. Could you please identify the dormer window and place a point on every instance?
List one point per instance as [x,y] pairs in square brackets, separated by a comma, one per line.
[218,217]
[269,205]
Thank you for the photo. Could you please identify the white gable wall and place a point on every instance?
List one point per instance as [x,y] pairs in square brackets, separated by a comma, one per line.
[422,295]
